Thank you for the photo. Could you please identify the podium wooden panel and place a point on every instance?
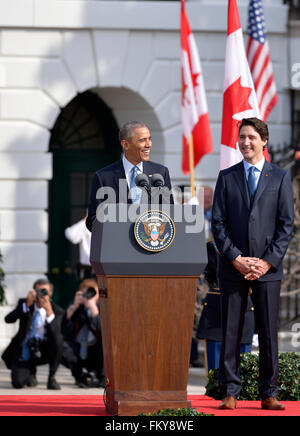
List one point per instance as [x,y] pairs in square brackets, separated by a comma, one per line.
[147,324]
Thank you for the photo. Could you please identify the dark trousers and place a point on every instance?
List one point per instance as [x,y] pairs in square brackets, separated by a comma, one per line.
[22,371]
[213,350]
[194,350]
[94,361]
[265,297]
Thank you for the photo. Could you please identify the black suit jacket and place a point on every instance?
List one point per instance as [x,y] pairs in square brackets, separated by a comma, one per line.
[73,325]
[53,330]
[110,176]
[210,321]
[260,229]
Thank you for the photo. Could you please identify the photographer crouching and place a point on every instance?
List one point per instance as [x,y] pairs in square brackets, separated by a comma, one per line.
[82,351]
[39,339]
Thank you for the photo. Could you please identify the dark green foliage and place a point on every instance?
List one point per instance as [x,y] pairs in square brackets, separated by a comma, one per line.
[288,378]
[176,412]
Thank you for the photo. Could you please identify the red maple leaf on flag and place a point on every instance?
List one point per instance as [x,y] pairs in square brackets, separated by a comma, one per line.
[195,84]
[194,79]
[236,100]
[184,88]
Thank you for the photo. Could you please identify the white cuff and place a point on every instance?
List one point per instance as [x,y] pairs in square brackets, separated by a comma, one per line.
[50,318]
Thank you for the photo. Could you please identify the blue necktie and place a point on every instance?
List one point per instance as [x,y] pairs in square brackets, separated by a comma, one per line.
[35,323]
[251,181]
[135,192]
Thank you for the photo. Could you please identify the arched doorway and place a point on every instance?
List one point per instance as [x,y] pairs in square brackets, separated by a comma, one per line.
[84,139]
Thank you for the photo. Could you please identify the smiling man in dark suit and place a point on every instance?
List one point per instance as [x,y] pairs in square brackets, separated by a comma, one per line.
[136,142]
[252,223]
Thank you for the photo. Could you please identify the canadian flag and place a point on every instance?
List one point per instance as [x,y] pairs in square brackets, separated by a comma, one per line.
[239,98]
[195,119]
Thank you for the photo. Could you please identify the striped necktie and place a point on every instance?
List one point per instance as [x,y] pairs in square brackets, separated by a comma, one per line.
[135,192]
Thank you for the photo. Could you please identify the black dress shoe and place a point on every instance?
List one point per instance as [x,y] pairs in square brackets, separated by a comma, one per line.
[81,385]
[32,381]
[84,381]
[98,382]
[52,384]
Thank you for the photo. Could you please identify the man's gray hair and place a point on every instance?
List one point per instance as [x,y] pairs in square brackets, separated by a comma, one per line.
[42,281]
[126,131]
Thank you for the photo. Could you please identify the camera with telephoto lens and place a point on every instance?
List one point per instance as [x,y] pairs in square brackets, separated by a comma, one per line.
[89,293]
[34,345]
[42,292]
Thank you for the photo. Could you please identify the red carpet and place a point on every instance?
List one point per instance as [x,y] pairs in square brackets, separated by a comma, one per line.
[92,405]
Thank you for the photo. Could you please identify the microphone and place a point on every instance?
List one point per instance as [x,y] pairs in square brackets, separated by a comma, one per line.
[160,193]
[142,181]
[158,180]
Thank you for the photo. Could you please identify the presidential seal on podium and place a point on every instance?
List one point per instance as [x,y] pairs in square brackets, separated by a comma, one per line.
[154,230]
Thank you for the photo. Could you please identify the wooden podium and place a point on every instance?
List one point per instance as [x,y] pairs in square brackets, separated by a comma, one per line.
[147,316]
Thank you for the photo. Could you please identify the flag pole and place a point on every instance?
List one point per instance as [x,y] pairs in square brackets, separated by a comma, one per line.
[191,162]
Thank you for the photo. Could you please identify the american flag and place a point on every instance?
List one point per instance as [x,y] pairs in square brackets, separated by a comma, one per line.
[259,59]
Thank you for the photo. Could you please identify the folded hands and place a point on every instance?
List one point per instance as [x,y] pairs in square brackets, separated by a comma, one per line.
[252,268]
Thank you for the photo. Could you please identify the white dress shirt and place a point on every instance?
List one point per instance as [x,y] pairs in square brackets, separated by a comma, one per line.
[257,172]
[128,167]
[42,319]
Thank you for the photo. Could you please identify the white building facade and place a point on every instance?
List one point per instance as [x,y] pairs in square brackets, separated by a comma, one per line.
[128,54]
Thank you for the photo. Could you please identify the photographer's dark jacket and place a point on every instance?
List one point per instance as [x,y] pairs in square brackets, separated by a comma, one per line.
[52,331]
[72,326]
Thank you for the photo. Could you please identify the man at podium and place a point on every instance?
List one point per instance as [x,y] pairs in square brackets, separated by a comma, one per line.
[136,142]
[147,266]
